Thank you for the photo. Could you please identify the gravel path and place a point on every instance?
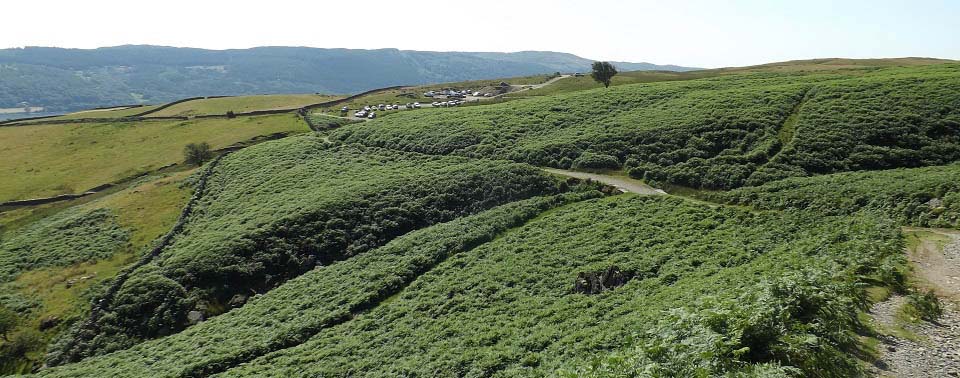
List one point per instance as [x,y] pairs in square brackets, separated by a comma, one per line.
[625,184]
[936,353]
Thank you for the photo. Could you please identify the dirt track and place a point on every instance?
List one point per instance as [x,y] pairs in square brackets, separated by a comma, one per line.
[623,183]
[936,350]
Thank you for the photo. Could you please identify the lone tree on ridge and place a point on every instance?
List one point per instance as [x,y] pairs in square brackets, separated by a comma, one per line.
[603,72]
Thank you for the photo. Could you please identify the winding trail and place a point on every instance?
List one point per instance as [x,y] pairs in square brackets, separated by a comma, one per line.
[625,184]
[935,351]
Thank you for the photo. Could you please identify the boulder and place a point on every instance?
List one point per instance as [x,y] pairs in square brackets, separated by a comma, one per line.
[194,317]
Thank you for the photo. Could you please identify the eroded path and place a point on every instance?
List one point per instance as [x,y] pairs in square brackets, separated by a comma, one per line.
[924,349]
[623,183]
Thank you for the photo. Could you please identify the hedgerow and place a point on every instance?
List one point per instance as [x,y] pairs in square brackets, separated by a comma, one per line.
[311,303]
[277,210]
[507,308]
[928,196]
[721,132]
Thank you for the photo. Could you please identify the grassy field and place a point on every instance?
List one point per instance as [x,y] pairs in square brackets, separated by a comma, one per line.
[241,104]
[105,113]
[45,160]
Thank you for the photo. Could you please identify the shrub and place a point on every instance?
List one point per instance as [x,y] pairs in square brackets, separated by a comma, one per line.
[589,160]
[197,154]
[923,305]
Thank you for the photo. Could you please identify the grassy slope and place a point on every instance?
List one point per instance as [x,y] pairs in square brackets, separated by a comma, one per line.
[506,307]
[143,211]
[305,305]
[901,194]
[714,132]
[276,210]
[242,104]
[47,160]
[105,113]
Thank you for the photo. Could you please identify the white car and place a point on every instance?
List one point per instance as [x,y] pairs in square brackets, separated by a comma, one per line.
[366,108]
[372,116]
[476,94]
[380,107]
[344,109]
[416,105]
[360,114]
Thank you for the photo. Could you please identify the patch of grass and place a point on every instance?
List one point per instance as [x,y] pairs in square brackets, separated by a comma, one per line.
[105,113]
[242,104]
[46,160]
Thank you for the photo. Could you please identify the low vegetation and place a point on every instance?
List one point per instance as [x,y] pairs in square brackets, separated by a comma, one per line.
[721,132]
[928,196]
[47,160]
[507,307]
[313,302]
[277,210]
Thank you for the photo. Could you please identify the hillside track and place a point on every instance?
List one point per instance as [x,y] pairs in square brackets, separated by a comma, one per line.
[935,352]
[625,184]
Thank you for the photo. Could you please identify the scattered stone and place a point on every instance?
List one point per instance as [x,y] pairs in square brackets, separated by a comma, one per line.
[599,281]
[194,317]
[237,301]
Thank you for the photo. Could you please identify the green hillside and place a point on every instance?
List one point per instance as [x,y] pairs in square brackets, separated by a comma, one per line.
[277,210]
[721,132]
[52,159]
[438,243]
[928,196]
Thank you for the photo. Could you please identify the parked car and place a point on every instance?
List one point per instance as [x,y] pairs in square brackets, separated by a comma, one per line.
[488,95]
[360,114]
[372,116]
[344,109]
[416,105]
[366,108]
[476,94]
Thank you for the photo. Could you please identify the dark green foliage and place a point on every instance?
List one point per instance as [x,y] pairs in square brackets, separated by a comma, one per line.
[197,153]
[280,209]
[506,308]
[603,72]
[67,238]
[927,196]
[721,132]
[313,302]
[923,305]
[8,321]
[590,160]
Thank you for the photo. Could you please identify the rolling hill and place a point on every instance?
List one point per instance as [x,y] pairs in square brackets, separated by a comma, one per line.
[445,241]
[71,79]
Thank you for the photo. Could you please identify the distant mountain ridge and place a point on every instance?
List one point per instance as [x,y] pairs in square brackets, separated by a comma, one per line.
[69,79]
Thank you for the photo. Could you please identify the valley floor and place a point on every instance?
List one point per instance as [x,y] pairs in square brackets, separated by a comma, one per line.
[924,349]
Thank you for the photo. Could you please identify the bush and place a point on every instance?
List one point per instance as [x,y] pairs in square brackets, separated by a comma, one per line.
[8,322]
[197,154]
[589,160]
[923,305]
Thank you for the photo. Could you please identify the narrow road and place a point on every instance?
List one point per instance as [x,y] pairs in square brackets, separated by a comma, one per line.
[935,349]
[625,184]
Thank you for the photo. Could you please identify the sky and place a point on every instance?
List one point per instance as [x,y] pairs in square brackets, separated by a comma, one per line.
[706,34]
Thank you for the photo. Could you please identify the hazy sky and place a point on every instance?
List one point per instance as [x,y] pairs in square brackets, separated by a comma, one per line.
[691,33]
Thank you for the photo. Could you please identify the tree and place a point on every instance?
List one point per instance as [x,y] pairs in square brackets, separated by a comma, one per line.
[603,72]
[8,321]
[196,154]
